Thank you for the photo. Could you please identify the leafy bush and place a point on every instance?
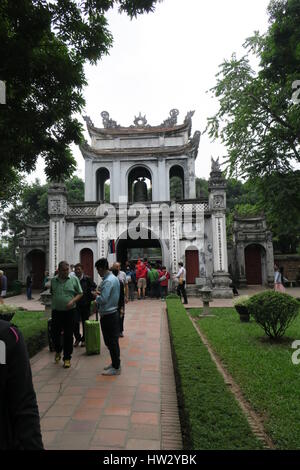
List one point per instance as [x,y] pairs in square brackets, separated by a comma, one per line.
[273,311]
[7,311]
[16,287]
[34,328]
[242,300]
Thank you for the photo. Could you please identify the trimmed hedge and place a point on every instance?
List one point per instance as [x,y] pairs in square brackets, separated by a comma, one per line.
[210,417]
[273,311]
[33,325]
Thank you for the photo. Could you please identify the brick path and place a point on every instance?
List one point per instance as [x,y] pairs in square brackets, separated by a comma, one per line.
[81,409]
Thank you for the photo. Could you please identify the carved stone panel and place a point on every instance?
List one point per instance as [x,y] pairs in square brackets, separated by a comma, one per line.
[218,202]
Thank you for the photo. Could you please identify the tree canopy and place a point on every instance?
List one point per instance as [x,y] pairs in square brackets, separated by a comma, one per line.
[258,120]
[32,208]
[43,48]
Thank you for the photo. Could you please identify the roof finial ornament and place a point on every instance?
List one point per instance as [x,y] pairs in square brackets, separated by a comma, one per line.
[172,120]
[88,121]
[108,123]
[188,117]
[215,165]
[140,121]
[194,141]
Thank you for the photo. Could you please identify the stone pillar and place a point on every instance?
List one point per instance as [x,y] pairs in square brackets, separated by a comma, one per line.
[217,206]
[156,183]
[163,181]
[57,210]
[90,187]
[115,181]
[192,178]
[270,260]
[174,245]
[240,259]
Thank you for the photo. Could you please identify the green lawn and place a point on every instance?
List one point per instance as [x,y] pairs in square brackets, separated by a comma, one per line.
[34,328]
[212,418]
[264,371]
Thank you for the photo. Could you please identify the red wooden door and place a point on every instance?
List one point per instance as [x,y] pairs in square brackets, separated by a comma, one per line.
[87,261]
[253,264]
[192,266]
[38,268]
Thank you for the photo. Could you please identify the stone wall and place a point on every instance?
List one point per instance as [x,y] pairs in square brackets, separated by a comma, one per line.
[290,264]
[11,272]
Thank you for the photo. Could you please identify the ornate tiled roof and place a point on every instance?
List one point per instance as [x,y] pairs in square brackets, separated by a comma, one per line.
[140,125]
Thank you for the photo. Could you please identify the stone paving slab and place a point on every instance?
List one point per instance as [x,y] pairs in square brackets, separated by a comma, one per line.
[196,302]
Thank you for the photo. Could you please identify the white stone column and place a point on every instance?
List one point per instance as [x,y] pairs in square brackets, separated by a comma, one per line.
[174,246]
[156,184]
[192,178]
[115,181]
[57,210]
[90,181]
[163,180]
[217,206]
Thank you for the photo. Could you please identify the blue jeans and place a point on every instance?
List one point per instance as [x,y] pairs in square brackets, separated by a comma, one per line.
[29,293]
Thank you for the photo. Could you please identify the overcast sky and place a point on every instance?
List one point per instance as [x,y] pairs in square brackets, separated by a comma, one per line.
[169,59]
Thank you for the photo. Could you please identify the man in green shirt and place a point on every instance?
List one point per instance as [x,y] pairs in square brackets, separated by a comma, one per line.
[66,291]
[154,284]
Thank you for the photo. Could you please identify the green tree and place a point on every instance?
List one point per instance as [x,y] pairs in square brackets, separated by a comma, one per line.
[257,119]
[201,187]
[32,208]
[176,189]
[43,48]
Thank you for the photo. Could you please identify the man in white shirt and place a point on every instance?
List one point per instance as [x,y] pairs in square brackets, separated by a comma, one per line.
[181,276]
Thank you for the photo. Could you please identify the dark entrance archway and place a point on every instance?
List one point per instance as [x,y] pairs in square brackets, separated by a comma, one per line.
[253,264]
[192,266]
[87,261]
[129,249]
[36,262]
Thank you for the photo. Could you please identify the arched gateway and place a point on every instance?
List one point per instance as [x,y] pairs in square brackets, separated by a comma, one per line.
[141,163]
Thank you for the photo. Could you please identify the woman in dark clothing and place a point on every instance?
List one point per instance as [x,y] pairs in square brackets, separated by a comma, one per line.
[19,414]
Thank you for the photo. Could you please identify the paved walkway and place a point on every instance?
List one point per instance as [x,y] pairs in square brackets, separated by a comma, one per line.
[81,409]
[196,302]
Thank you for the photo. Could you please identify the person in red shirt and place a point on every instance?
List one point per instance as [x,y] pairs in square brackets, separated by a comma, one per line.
[141,277]
[164,277]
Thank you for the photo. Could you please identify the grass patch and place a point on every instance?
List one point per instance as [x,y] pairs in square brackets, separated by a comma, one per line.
[34,328]
[212,418]
[263,369]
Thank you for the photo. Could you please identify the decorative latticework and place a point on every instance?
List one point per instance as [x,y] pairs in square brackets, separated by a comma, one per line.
[195,207]
[82,210]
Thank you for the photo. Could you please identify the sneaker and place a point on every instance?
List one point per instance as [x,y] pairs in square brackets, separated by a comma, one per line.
[57,358]
[76,343]
[112,371]
[108,367]
[67,364]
